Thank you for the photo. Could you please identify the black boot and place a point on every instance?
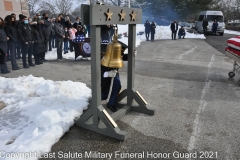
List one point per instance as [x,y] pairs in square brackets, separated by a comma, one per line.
[111,107]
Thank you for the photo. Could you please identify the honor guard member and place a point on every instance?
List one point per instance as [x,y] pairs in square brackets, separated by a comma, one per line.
[110,64]
[26,37]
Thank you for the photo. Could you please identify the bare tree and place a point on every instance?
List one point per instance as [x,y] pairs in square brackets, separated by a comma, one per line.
[34,6]
[77,11]
[63,6]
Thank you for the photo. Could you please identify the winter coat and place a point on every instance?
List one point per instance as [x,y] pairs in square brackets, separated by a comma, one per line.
[173,27]
[63,22]
[3,45]
[80,33]
[105,32]
[48,28]
[12,34]
[214,26]
[59,31]
[52,29]
[205,23]
[72,32]
[25,33]
[181,31]
[153,26]
[3,37]
[39,46]
[67,24]
[66,39]
[75,24]
[147,27]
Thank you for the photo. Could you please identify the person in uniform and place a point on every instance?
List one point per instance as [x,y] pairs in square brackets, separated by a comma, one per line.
[106,76]
[25,34]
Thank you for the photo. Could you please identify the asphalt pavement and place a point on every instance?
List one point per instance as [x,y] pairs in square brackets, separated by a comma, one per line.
[186,81]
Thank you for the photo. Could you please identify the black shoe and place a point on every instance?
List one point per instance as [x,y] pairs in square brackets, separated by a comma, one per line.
[17,68]
[112,108]
[25,66]
[37,63]
[6,72]
[44,60]
[31,64]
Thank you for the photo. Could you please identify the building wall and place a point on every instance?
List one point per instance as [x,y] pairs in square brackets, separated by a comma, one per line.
[8,7]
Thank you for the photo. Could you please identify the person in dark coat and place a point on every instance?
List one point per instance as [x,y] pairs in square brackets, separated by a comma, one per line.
[105,32]
[214,27]
[39,45]
[19,47]
[77,23]
[153,26]
[48,28]
[60,35]
[25,34]
[45,32]
[12,34]
[80,31]
[204,25]
[147,29]
[174,29]
[181,33]
[3,48]
[62,20]
[106,76]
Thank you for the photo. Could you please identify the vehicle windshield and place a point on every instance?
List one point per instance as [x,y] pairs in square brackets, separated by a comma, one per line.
[215,17]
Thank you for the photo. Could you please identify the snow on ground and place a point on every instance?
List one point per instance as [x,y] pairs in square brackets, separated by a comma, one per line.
[231,32]
[40,111]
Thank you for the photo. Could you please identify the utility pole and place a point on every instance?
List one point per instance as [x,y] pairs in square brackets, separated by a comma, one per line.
[129,6]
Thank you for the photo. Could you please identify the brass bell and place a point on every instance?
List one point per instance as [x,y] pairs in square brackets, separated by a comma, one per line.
[113,55]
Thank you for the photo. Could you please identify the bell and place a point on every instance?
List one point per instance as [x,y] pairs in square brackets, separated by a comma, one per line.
[113,55]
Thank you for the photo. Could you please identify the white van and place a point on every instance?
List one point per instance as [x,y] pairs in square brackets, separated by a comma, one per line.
[211,16]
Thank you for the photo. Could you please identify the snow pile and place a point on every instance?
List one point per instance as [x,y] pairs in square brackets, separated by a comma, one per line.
[38,113]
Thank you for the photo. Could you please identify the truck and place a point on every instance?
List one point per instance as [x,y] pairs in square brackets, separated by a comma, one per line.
[211,16]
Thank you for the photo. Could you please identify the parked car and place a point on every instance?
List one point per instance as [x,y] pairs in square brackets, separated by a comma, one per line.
[184,24]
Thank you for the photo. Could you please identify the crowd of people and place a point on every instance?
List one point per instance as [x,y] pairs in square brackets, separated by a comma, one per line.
[35,36]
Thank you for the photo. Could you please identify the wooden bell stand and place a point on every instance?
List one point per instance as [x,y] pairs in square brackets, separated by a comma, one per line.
[96,118]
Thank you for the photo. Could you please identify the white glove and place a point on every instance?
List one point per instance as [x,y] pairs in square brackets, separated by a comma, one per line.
[111,73]
[135,53]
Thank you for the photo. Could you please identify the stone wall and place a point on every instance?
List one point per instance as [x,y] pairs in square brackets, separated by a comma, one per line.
[8,7]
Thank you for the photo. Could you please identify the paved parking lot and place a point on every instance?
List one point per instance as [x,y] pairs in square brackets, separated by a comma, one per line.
[186,82]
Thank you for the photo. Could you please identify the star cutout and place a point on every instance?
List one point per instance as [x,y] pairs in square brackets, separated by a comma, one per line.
[133,16]
[122,14]
[109,15]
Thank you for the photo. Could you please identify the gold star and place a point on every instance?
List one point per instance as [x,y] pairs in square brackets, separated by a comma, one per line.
[122,14]
[109,15]
[133,16]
